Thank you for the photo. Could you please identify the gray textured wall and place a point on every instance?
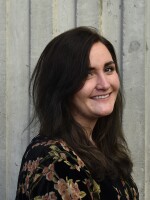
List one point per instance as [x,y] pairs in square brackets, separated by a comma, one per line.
[26,26]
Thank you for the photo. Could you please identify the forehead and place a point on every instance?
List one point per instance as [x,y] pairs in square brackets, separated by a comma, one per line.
[99,54]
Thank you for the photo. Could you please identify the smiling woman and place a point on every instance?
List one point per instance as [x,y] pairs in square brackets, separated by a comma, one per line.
[80,151]
[98,95]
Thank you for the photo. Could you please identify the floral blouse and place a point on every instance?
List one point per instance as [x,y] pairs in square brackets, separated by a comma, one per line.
[50,170]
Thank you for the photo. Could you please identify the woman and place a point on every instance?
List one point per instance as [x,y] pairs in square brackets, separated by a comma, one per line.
[80,152]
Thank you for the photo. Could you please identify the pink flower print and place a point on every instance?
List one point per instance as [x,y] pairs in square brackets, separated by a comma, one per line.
[50,142]
[49,196]
[66,196]
[64,145]
[27,179]
[45,170]
[32,165]
[52,196]
[80,164]
[61,186]
[49,172]
[75,192]
[63,156]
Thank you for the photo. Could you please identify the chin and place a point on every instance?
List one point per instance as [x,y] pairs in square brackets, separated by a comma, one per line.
[105,113]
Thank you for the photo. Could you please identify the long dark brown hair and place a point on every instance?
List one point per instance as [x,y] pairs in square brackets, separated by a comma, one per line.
[60,72]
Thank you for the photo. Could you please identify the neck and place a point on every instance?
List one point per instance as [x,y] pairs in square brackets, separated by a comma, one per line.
[88,125]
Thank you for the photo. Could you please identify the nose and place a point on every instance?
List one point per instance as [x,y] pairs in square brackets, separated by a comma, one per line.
[102,82]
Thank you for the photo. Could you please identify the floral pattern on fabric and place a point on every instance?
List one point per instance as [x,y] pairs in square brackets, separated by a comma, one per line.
[50,170]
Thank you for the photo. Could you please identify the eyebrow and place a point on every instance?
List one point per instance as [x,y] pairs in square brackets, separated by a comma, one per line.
[105,65]
[109,63]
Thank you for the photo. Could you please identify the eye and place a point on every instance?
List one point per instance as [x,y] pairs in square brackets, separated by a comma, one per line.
[109,69]
[90,72]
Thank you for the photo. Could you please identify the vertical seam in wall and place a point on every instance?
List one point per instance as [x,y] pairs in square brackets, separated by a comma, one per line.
[145,136]
[5,97]
[147,113]
[7,38]
[75,13]
[54,18]
[121,40]
[100,16]
[6,55]
[29,55]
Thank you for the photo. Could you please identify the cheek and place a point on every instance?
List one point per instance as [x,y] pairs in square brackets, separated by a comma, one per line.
[79,97]
[77,103]
[85,91]
[118,85]
[116,82]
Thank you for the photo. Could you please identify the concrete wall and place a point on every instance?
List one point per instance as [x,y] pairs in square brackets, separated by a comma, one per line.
[26,26]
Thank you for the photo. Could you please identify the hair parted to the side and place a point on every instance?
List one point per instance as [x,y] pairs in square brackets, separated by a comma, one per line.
[60,72]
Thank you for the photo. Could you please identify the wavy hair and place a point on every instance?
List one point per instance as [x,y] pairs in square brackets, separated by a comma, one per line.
[60,72]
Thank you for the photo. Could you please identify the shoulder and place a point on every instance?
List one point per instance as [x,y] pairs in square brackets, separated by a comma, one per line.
[52,165]
[43,152]
[42,148]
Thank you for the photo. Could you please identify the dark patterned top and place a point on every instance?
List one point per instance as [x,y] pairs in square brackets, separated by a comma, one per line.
[50,170]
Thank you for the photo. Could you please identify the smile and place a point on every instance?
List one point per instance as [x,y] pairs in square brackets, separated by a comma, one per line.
[101,96]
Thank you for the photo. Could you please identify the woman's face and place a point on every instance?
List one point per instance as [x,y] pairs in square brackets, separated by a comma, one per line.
[98,95]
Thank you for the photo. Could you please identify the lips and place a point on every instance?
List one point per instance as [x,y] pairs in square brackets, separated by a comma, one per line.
[104,96]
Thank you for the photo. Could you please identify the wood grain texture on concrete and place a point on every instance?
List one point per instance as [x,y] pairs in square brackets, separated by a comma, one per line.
[26,26]
[40,33]
[112,25]
[88,13]
[64,15]
[17,76]
[147,101]
[134,84]
[40,28]
[2,101]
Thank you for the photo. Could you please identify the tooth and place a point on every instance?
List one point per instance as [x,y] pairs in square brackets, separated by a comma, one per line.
[102,96]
